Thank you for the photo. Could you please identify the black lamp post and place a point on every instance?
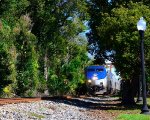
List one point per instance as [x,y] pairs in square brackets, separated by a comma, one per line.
[139,97]
[141,26]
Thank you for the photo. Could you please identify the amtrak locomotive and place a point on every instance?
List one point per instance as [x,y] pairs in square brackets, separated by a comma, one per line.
[99,80]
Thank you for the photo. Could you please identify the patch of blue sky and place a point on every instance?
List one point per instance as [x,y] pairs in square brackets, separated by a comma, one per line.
[90,56]
[70,18]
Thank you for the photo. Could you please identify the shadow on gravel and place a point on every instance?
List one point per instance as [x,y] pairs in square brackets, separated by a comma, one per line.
[96,103]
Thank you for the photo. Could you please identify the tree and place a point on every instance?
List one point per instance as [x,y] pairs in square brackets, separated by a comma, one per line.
[27,59]
[41,37]
[5,58]
[21,50]
[96,9]
[56,24]
[118,33]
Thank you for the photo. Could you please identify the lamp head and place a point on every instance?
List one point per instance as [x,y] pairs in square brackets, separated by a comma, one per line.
[141,24]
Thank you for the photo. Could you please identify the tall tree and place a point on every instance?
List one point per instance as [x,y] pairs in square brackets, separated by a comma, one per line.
[5,57]
[118,33]
[10,12]
[27,59]
[21,45]
[51,18]
[96,9]
[43,35]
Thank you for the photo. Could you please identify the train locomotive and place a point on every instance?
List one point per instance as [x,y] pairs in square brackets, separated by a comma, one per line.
[99,80]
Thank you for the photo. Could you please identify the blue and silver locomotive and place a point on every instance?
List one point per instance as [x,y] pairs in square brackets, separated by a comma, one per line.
[97,81]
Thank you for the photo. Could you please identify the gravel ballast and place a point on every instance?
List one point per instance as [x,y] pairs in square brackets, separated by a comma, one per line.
[51,110]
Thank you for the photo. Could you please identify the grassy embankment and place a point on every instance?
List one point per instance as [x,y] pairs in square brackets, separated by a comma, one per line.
[130,112]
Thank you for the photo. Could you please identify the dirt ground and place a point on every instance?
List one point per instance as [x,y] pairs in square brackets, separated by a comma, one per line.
[4,101]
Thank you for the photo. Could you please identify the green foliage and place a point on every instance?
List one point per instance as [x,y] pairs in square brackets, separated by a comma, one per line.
[38,42]
[11,10]
[6,61]
[27,59]
[4,69]
[65,77]
[56,25]
[122,24]
[113,27]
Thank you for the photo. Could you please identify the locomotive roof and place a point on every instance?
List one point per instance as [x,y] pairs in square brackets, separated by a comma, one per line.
[95,66]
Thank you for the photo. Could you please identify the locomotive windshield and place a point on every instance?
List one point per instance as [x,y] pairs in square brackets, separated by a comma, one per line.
[91,70]
[99,70]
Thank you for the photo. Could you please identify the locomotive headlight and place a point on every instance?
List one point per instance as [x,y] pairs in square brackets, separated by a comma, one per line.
[89,81]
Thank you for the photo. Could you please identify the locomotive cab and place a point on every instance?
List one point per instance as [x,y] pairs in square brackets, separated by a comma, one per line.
[96,79]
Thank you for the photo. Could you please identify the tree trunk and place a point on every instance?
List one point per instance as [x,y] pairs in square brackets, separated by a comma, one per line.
[45,66]
[128,92]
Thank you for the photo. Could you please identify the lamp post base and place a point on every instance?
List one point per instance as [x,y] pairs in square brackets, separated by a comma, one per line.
[145,110]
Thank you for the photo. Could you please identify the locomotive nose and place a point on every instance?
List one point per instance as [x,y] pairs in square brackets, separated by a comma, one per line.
[101,86]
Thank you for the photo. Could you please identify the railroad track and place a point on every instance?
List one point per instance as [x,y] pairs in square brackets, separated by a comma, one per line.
[4,101]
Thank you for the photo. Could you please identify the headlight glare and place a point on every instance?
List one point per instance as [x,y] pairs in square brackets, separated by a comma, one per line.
[89,81]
